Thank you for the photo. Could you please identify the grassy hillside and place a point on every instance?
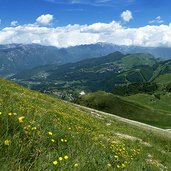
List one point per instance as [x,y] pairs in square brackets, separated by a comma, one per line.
[160,104]
[42,133]
[163,79]
[116,105]
[138,59]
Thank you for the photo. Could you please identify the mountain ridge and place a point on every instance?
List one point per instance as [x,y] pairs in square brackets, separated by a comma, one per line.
[17,57]
[101,73]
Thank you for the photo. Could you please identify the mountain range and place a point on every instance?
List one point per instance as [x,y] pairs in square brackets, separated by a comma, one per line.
[18,57]
[102,73]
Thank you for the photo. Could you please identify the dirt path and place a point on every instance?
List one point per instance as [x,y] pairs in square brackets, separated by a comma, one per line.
[165,132]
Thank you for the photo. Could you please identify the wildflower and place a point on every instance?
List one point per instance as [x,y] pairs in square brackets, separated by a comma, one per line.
[33,128]
[55,162]
[60,158]
[65,157]
[109,165]
[50,133]
[27,127]
[10,114]
[32,122]
[7,142]
[123,165]
[116,157]
[63,140]
[118,166]
[20,119]
[0,113]
[53,140]
[76,165]
[15,114]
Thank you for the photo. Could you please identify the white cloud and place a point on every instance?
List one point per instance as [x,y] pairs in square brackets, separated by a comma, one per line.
[72,35]
[14,23]
[44,20]
[157,20]
[127,15]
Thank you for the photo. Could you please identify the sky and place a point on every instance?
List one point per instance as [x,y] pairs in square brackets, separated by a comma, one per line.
[64,23]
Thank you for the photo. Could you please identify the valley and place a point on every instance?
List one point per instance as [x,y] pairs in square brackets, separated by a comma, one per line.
[135,80]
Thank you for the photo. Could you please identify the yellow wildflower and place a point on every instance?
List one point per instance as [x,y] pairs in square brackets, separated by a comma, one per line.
[65,157]
[33,128]
[109,165]
[53,140]
[50,133]
[62,140]
[123,165]
[20,119]
[10,114]
[118,166]
[7,142]
[27,127]
[60,158]
[76,165]
[0,113]
[55,162]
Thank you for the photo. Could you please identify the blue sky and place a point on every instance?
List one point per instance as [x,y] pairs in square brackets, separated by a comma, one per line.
[64,23]
[84,11]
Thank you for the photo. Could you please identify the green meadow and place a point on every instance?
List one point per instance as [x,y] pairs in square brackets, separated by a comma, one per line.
[39,132]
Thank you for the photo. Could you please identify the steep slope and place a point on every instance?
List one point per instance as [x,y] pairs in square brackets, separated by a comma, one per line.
[132,110]
[162,103]
[15,58]
[42,133]
[92,74]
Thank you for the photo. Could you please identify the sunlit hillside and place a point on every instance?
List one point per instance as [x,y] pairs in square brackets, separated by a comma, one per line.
[38,133]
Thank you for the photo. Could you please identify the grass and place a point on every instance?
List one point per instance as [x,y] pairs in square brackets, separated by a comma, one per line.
[163,79]
[133,107]
[163,104]
[38,132]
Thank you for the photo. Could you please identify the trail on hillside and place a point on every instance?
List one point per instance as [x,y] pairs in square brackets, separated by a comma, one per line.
[166,132]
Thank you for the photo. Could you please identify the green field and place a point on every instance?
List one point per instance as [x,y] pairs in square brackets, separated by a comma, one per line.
[163,104]
[132,107]
[163,79]
[41,133]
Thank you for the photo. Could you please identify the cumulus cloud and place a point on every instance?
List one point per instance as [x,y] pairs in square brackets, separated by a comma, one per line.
[14,23]
[72,35]
[157,20]
[44,20]
[127,15]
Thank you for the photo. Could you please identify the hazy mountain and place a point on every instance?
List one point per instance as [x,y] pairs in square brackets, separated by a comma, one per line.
[18,57]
